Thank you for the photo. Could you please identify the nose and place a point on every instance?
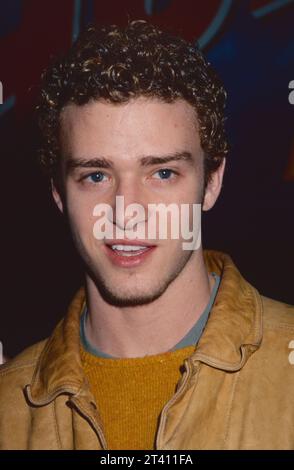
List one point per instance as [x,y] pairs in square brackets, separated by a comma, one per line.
[130,207]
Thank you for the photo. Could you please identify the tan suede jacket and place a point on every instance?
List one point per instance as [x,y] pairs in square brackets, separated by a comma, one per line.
[236,392]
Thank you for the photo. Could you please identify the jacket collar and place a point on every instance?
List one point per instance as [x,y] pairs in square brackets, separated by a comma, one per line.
[59,368]
[234,328]
[232,334]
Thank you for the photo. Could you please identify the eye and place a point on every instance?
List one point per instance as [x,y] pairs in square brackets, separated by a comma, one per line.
[165,174]
[95,177]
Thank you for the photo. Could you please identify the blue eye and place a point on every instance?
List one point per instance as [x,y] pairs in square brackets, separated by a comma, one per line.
[96,177]
[165,173]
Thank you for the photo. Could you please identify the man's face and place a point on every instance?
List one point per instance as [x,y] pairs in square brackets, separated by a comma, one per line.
[147,151]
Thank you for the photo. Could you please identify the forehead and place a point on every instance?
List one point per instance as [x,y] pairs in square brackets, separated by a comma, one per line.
[141,125]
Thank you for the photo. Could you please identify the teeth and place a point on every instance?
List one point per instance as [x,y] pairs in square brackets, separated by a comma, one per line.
[128,247]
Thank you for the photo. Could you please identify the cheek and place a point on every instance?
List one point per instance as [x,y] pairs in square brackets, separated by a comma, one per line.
[191,190]
[189,196]
[80,204]
[81,217]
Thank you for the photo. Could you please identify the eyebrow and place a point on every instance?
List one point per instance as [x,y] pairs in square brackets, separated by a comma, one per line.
[148,160]
[102,162]
[177,156]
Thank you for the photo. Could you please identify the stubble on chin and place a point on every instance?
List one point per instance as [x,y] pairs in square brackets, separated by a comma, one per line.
[124,296]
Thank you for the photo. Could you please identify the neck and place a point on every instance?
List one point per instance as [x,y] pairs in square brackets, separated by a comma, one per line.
[153,328]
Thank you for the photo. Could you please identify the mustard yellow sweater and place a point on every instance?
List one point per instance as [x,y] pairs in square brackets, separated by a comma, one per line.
[131,392]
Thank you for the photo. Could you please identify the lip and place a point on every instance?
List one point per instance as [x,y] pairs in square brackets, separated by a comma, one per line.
[128,261]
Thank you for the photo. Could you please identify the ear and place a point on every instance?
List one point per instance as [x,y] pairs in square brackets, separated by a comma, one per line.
[56,195]
[213,187]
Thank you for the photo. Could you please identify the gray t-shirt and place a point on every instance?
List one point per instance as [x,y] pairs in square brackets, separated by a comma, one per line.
[191,338]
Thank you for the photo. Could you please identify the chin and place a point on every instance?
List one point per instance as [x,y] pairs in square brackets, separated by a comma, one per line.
[128,297]
[123,288]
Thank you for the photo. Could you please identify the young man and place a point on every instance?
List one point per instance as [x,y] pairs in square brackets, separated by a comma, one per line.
[163,347]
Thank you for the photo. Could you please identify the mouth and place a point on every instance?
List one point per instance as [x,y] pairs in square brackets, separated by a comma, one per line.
[128,255]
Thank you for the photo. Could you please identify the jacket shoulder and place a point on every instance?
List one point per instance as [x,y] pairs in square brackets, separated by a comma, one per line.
[15,420]
[277,315]
[25,361]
